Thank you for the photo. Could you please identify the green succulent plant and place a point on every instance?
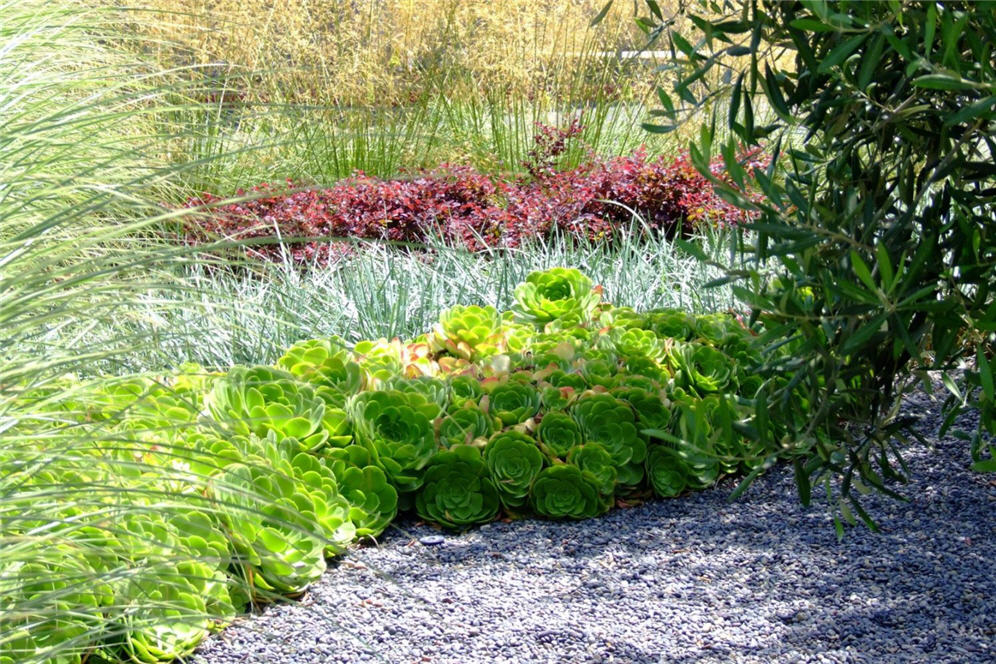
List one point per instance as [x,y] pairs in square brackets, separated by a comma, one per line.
[557,293]
[638,343]
[458,491]
[513,460]
[380,360]
[464,389]
[327,363]
[558,433]
[262,399]
[594,459]
[702,368]
[622,318]
[604,419]
[396,427]
[65,616]
[651,412]
[433,389]
[671,323]
[716,327]
[598,370]
[466,426]
[666,472]
[280,549]
[372,498]
[470,332]
[513,402]
[565,492]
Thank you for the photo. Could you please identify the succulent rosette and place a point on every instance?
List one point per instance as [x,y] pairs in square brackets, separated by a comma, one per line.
[558,433]
[464,389]
[666,472]
[318,498]
[597,370]
[263,399]
[671,323]
[68,615]
[470,332]
[651,413]
[372,498]
[513,402]
[513,460]
[281,548]
[594,459]
[622,318]
[466,426]
[638,343]
[458,491]
[715,328]
[379,359]
[563,491]
[557,293]
[164,609]
[324,362]
[604,419]
[433,389]
[396,427]
[702,368]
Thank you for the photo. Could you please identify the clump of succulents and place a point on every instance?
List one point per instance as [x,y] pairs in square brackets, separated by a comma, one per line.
[558,408]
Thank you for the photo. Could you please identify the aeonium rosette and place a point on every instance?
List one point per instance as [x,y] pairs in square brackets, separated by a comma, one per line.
[513,460]
[457,491]
[261,399]
[396,427]
[324,362]
[557,293]
[469,332]
[563,491]
[604,419]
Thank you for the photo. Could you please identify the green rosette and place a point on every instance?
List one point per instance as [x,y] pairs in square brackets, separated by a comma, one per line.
[638,343]
[259,400]
[563,491]
[396,427]
[702,368]
[594,459]
[604,419]
[666,472]
[671,323]
[463,390]
[457,492]
[280,549]
[513,460]
[326,363]
[466,426]
[513,402]
[651,412]
[433,389]
[468,332]
[557,293]
[372,498]
[558,433]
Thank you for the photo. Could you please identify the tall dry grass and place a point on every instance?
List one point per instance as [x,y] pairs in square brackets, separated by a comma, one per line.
[391,52]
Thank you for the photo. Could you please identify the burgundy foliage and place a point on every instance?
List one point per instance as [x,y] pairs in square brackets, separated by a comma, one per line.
[470,209]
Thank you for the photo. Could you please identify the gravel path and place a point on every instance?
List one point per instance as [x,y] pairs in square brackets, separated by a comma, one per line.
[688,580]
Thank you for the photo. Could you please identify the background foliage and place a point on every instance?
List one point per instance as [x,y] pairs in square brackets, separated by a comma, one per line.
[875,253]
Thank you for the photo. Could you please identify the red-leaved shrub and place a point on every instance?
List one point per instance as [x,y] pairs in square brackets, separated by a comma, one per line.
[467,208]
